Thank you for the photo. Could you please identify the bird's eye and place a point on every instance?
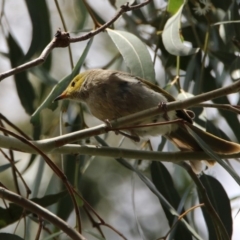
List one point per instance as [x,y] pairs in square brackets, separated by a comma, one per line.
[73,84]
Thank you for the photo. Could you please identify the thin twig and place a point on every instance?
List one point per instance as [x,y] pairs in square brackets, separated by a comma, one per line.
[28,191]
[146,125]
[180,217]
[12,143]
[228,107]
[14,127]
[63,39]
[12,162]
[209,207]
[90,11]
[40,211]
[54,167]
[65,29]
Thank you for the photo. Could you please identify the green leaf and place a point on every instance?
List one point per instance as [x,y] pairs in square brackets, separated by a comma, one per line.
[14,212]
[48,102]
[226,57]
[119,3]
[213,155]
[164,202]
[9,236]
[134,53]
[174,5]
[25,89]
[231,117]
[41,29]
[172,38]
[81,15]
[6,166]
[97,236]
[49,199]
[221,204]
[52,236]
[164,183]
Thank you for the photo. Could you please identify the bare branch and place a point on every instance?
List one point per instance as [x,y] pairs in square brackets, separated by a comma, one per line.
[115,152]
[40,211]
[228,107]
[63,39]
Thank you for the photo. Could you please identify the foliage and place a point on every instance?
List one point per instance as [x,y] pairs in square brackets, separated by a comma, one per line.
[186,47]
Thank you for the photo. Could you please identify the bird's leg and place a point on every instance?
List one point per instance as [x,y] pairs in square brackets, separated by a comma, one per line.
[163,106]
[131,136]
[108,123]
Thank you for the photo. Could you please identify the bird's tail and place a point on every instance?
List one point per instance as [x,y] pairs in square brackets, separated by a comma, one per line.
[186,142]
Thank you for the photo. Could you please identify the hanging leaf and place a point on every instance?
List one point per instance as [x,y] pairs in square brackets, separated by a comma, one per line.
[172,38]
[164,202]
[41,29]
[9,236]
[25,89]
[134,53]
[48,102]
[164,183]
[14,212]
[216,192]
[174,5]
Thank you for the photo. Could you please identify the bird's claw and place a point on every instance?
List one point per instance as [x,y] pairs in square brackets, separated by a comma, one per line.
[163,106]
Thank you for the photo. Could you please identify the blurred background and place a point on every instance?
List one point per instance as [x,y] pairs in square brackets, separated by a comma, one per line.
[117,194]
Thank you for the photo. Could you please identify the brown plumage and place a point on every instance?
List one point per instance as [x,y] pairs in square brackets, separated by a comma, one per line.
[113,94]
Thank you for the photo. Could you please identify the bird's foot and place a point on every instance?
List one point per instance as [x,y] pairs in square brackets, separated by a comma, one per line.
[131,136]
[163,106]
[135,138]
[108,123]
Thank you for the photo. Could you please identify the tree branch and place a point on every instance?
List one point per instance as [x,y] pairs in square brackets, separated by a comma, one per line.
[63,39]
[15,144]
[40,211]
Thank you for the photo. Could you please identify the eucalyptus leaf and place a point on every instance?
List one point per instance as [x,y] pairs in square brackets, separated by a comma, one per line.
[58,88]
[24,87]
[14,212]
[164,183]
[172,39]
[9,236]
[119,3]
[6,166]
[212,154]
[164,202]
[174,5]
[215,191]
[134,53]
[41,29]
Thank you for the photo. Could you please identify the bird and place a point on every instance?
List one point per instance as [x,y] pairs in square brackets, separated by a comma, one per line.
[111,94]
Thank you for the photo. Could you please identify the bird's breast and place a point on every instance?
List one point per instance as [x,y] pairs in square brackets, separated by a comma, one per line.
[117,99]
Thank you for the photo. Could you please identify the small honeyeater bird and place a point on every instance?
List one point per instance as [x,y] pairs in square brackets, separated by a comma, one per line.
[112,94]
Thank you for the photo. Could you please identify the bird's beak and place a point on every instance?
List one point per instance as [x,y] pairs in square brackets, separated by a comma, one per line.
[60,97]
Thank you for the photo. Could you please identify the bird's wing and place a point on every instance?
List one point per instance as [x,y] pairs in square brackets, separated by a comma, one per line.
[187,115]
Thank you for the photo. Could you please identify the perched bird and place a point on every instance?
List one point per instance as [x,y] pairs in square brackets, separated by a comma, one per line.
[112,94]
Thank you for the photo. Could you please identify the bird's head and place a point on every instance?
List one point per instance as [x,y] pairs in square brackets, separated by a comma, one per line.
[73,90]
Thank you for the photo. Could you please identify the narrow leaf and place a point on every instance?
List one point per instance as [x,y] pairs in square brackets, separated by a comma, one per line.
[9,236]
[41,29]
[220,202]
[134,53]
[151,186]
[174,5]
[213,155]
[164,183]
[6,166]
[25,89]
[58,88]
[172,39]
[14,212]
